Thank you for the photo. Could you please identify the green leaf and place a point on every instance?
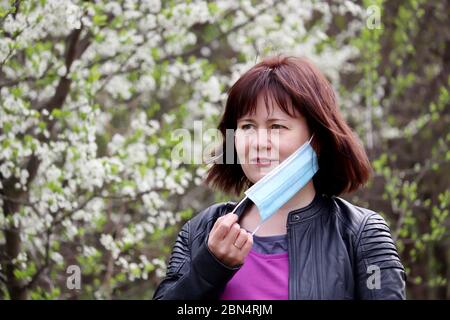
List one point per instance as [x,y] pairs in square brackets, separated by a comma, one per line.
[100,20]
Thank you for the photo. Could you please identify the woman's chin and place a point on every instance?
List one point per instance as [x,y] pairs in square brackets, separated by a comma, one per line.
[260,172]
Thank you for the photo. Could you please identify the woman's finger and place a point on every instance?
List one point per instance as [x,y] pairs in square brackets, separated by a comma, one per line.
[224,226]
[241,239]
[232,235]
[248,244]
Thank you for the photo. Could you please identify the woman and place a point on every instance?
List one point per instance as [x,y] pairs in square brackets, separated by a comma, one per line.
[316,245]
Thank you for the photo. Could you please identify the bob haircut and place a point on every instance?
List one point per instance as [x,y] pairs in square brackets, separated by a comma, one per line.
[295,81]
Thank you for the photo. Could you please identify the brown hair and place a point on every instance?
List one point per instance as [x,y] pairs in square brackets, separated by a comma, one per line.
[343,162]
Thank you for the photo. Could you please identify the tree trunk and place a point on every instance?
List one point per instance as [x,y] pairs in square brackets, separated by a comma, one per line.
[12,245]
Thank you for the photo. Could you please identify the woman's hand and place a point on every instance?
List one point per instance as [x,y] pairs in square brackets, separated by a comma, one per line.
[228,241]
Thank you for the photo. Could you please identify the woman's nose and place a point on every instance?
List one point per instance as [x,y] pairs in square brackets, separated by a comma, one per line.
[262,140]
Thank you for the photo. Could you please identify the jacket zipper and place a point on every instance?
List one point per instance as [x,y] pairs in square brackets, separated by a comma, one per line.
[318,275]
[292,264]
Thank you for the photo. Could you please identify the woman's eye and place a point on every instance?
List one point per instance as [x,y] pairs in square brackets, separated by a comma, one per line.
[246,126]
[278,126]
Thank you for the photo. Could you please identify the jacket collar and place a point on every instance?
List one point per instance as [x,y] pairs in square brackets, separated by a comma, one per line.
[310,211]
[294,216]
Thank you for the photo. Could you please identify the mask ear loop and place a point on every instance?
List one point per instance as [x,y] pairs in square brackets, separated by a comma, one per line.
[237,206]
[257,228]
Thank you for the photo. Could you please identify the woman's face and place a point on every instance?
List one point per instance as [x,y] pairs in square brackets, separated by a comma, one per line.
[263,140]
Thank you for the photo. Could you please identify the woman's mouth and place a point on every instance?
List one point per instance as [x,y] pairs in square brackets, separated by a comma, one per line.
[262,162]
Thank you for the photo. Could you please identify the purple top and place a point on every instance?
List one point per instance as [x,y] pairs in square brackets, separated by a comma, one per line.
[261,277]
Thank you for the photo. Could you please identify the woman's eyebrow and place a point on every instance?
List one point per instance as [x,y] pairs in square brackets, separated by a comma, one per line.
[269,119]
[276,119]
[246,119]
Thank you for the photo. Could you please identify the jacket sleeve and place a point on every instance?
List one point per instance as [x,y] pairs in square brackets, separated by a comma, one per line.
[380,273]
[201,277]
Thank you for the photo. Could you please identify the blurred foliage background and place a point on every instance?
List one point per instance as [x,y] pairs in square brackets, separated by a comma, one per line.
[91,93]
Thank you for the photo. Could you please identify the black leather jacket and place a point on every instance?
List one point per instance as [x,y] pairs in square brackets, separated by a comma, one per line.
[336,251]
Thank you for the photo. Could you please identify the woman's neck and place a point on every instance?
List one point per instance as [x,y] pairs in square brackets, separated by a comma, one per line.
[301,199]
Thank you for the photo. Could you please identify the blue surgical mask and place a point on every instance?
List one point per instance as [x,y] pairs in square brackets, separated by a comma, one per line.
[272,191]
